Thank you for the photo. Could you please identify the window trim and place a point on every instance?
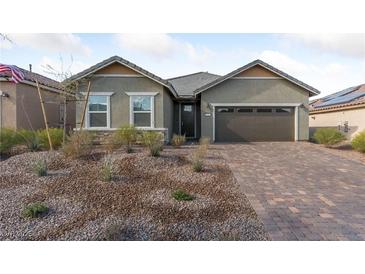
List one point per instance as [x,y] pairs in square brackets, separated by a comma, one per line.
[87,120]
[132,111]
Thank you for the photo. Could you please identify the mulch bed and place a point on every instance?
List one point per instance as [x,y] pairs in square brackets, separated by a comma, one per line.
[136,205]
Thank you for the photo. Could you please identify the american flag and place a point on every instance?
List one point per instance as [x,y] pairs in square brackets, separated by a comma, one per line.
[16,75]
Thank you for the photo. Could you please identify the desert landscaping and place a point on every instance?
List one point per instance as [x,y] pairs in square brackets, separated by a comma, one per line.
[139,200]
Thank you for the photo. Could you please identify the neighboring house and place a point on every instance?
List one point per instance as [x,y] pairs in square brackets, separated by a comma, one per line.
[20,106]
[344,110]
[256,102]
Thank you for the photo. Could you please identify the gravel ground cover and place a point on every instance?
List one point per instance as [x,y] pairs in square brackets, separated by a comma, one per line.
[136,204]
[343,150]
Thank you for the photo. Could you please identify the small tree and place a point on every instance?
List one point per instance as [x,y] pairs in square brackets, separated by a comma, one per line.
[128,136]
[69,88]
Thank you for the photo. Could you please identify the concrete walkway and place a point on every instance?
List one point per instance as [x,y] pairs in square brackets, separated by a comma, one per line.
[299,191]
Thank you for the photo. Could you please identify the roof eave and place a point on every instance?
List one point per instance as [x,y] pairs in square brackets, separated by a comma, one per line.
[312,91]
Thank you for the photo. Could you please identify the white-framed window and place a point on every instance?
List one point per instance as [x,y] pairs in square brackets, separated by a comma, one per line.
[142,109]
[98,110]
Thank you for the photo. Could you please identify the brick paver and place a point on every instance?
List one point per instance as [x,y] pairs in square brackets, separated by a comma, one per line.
[299,191]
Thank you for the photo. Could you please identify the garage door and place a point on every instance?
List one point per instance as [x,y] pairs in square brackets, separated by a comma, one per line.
[253,124]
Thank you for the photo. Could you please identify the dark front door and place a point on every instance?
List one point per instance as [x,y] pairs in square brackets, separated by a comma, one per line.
[187,119]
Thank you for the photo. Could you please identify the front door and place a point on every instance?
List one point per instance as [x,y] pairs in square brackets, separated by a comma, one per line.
[187,120]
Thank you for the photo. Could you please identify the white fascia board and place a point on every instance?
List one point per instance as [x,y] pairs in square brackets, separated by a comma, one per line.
[255,104]
[142,93]
[96,93]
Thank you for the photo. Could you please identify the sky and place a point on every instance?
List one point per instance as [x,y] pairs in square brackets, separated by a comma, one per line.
[328,62]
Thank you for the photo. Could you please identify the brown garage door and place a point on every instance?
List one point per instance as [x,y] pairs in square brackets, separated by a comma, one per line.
[244,124]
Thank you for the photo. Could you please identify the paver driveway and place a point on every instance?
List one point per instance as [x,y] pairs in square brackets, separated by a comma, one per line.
[300,191]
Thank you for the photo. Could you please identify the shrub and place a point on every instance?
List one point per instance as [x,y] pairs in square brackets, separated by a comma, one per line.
[328,136]
[199,154]
[29,138]
[113,142]
[78,144]
[128,136]
[35,210]
[56,135]
[40,168]
[107,169]
[181,195]
[204,141]
[358,142]
[153,140]
[7,140]
[178,140]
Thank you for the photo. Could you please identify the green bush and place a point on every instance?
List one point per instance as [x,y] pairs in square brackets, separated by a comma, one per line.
[153,140]
[181,195]
[8,140]
[78,144]
[56,135]
[29,138]
[40,168]
[35,210]
[107,169]
[358,142]
[128,136]
[178,140]
[328,136]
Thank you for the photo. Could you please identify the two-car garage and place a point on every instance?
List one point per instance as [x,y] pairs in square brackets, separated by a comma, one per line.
[254,124]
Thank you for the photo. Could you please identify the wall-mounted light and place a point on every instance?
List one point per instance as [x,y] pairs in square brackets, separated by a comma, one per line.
[3,94]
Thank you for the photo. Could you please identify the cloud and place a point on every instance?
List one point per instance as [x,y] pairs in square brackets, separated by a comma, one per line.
[347,44]
[164,46]
[52,42]
[327,77]
[59,65]
[282,61]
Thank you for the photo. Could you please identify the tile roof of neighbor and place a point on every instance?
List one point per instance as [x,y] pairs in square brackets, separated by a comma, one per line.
[185,85]
[312,90]
[32,77]
[352,96]
[126,63]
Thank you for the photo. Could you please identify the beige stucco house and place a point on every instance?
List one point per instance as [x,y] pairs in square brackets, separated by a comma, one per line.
[344,110]
[256,102]
[20,106]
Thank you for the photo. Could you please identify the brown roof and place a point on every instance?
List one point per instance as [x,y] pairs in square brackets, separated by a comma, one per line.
[32,77]
[350,97]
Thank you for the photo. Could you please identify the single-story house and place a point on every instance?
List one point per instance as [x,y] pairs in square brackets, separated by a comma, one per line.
[344,110]
[20,107]
[256,102]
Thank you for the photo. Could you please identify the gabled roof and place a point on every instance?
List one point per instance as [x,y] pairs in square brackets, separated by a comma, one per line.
[124,62]
[32,77]
[312,90]
[347,98]
[186,84]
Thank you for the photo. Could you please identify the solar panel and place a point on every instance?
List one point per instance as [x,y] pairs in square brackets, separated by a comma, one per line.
[340,93]
[342,99]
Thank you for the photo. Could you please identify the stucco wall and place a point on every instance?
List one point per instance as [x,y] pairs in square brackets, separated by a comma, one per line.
[354,117]
[8,105]
[29,112]
[168,105]
[22,108]
[254,91]
[119,101]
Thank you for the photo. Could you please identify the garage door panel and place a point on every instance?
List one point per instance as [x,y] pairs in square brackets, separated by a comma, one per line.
[255,126]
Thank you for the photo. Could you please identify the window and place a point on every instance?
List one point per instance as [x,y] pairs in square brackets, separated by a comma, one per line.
[98,111]
[244,110]
[266,110]
[142,110]
[283,110]
[225,109]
